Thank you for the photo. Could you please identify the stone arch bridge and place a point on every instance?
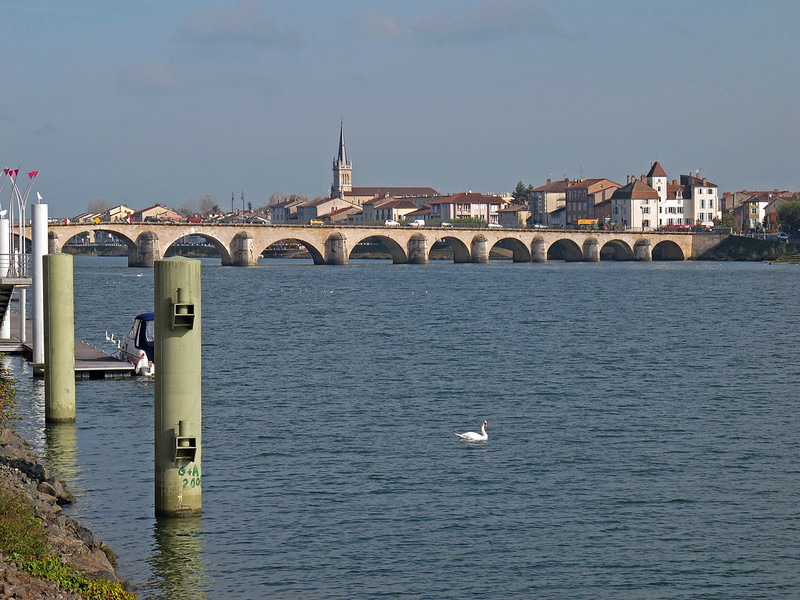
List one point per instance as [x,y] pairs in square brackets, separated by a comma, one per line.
[242,244]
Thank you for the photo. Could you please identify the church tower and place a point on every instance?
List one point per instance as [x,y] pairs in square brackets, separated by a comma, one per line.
[342,170]
[657,179]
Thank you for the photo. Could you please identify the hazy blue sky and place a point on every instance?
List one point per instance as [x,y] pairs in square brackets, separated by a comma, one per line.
[164,101]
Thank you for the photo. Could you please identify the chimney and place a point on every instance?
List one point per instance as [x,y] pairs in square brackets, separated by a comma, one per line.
[705,181]
[548,181]
[643,179]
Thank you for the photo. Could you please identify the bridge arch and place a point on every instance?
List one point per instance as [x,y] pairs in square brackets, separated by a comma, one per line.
[460,250]
[56,244]
[397,252]
[565,249]
[316,253]
[519,250]
[668,250]
[616,250]
[219,246]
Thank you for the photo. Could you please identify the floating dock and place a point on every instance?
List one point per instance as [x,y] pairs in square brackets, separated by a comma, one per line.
[90,362]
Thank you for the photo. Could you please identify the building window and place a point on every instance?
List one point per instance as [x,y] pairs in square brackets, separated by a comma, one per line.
[710,203]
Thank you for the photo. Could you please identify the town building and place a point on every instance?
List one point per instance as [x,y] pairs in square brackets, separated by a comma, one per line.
[635,205]
[582,196]
[319,209]
[378,210]
[467,205]
[514,216]
[155,213]
[117,214]
[547,198]
[700,201]
[285,212]
[750,213]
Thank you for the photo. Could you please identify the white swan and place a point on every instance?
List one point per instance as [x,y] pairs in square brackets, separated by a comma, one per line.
[471,436]
[108,337]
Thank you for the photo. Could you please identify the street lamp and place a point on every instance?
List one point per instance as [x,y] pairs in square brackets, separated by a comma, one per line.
[22,199]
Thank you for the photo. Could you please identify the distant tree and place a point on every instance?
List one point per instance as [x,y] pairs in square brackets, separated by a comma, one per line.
[276,198]
[789,216]
[97,206]
[728,220]
[522,193]
[206,205]
[188,208]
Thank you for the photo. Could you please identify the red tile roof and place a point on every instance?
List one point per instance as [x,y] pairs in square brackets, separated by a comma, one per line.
[635,190]
[656,170]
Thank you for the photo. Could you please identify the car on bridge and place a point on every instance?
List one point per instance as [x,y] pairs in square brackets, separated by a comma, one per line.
[391,223]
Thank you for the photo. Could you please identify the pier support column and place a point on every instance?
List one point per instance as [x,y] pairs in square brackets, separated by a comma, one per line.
[418,250]
[480,250]
[591,250]
[242,251]
[5,261]
[145,252]
[178,399]
[39,249]
[59,339]
[642,251]
[336,250]
[53,242]
[539,250]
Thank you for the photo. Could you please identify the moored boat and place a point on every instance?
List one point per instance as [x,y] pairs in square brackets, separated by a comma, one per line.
[137,346]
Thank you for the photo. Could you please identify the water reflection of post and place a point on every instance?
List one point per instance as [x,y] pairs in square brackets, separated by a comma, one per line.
[176,562]
[61,451]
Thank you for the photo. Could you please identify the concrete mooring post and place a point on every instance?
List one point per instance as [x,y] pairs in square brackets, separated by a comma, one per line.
[59,339]
[178,400]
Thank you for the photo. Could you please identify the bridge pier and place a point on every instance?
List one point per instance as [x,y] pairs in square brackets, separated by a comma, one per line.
[242,251]
[53,243]
[642,251]
[145,252]
[539,250]
[418,250]
[480,249]
[336,250]
[591,250]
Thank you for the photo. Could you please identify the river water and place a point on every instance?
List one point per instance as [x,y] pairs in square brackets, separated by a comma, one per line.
[643,432]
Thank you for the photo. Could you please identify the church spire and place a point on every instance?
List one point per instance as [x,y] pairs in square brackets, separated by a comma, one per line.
[342,169]
[342,151]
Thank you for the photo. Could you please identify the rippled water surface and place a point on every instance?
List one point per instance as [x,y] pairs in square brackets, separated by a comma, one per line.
[644,439]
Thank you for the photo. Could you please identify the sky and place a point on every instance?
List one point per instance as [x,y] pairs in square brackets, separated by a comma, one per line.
[154,102]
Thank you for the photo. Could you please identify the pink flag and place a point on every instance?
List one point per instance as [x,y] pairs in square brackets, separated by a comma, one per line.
[33,174]
[13,173]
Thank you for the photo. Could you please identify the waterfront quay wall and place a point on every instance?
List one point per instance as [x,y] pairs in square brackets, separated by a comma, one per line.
[242,244]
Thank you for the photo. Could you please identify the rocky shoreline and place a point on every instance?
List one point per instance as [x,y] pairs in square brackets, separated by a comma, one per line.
[79,548]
